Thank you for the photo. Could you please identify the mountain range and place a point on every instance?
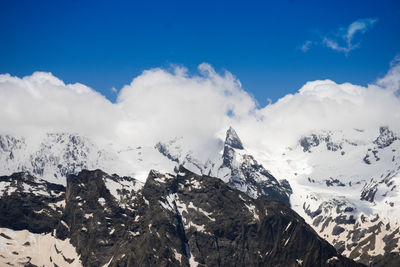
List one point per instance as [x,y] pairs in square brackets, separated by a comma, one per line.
[331,196]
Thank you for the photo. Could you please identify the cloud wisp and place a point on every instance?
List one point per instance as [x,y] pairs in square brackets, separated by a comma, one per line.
[306,46]
[344,39]
[161,105]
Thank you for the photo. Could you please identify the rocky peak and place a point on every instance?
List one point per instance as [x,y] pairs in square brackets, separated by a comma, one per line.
[242,171]
[232,139]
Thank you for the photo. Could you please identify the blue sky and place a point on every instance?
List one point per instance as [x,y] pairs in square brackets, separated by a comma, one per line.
[105,44]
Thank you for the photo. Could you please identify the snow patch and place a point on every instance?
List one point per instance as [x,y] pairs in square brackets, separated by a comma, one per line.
[101,201]
[36,248]
[252,210]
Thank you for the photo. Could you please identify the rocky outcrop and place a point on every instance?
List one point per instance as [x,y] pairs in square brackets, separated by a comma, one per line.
[386,137]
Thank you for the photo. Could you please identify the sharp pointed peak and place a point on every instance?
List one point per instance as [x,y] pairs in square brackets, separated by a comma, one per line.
[232,139]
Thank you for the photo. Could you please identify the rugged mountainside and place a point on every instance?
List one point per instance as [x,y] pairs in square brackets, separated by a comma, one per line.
[175,220]
[347,188]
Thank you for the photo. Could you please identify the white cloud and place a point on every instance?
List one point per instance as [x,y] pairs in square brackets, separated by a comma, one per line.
[392,79]
[343,39]
[159,105]
[42,102]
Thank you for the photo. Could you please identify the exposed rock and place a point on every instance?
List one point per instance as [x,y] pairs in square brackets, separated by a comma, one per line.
[369,191]
[308,142]
[386,137]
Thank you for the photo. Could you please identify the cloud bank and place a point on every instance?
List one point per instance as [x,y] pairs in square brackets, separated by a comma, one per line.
[156,105]
[161,104]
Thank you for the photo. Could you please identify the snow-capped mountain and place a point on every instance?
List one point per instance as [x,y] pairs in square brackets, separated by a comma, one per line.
[345,185]
[234,165]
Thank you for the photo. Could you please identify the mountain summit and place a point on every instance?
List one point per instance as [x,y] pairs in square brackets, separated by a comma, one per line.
[232,139]
[242,171]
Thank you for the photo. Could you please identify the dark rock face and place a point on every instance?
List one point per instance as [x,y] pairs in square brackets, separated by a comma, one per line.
[177,220]
[223,227]
[96,220]
[30,203]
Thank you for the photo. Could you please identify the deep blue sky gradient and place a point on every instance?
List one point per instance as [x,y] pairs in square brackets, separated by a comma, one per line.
[105,44]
